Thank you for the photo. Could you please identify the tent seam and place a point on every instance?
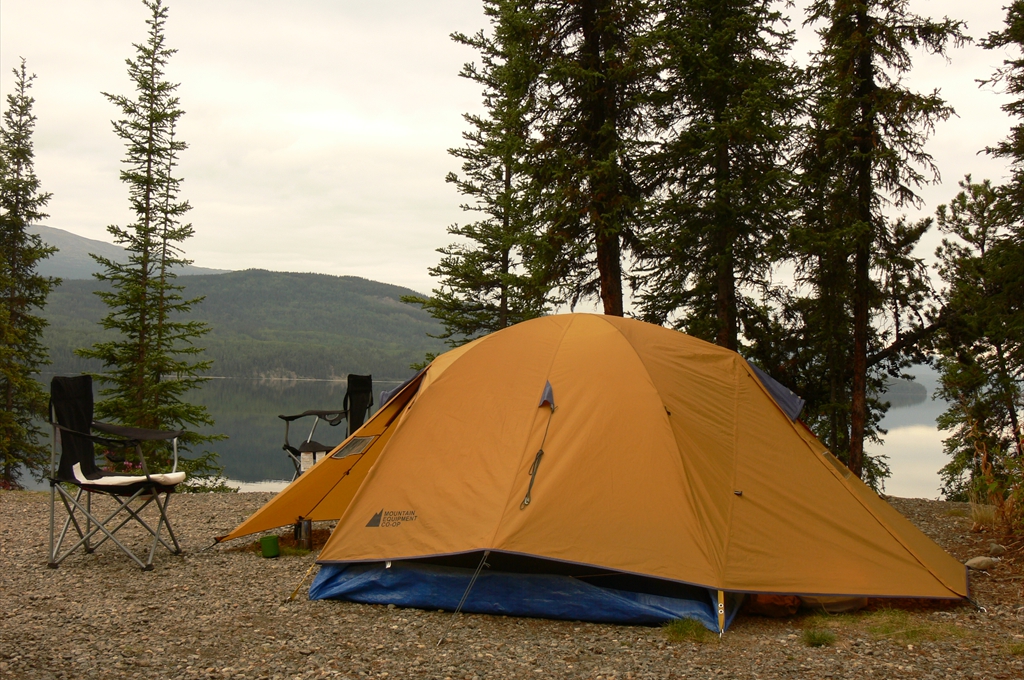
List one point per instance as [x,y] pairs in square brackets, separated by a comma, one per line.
[735,469]
[708,542]
[522,456]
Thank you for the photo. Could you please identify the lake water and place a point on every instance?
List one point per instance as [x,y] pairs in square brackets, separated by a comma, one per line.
[914,444]
[247,410]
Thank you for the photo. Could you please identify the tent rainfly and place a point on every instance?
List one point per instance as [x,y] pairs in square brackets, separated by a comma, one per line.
[598,468]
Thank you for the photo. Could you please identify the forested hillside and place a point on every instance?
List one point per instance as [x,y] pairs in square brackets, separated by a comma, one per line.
[271,324]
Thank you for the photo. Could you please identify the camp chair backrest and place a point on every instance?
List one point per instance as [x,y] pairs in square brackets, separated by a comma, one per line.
[358,400]
[71,408]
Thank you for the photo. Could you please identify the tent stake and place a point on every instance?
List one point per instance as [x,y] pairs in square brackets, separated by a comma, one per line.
[298,587]
[476,573]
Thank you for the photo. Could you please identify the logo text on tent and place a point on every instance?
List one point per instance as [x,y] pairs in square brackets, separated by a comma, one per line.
[391,518]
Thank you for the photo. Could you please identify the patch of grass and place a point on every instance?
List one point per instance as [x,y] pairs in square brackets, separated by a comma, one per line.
[294,552]
[956,512]
[688,630]
[1017,649]
[818,638]
[897,624]
[982,514]
[823,621]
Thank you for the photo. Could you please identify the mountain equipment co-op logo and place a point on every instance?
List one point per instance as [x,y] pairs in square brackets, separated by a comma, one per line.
[391,518]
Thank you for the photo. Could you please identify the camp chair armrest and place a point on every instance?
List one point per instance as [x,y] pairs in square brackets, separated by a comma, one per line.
[106,441]
[333,417]
[136,433]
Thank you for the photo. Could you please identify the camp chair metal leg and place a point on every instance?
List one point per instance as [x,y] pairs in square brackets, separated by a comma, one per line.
[155,532]
[71,520]
[167,522]
[99,526]
[52,564]
[162,507]
[88,522]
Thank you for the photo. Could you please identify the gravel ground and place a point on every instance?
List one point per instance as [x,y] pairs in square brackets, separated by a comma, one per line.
[222,613]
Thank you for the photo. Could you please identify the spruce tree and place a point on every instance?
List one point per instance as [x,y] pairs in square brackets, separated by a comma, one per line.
[868,151]
[1011,77]
[22,289]
[592,129]
[980,345]
[725,114]
[488,280]
[153,362]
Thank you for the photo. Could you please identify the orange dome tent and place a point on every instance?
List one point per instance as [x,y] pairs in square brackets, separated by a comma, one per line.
[585,443]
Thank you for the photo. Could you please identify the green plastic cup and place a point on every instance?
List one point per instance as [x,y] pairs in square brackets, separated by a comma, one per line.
[269,546]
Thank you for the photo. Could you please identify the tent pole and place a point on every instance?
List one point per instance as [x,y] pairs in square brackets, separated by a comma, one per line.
[476,573]
[721,613]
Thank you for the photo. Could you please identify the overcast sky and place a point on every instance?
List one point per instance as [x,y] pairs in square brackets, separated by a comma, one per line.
[318,129]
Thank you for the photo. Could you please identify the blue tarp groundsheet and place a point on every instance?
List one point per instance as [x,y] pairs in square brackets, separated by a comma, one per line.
[427,586]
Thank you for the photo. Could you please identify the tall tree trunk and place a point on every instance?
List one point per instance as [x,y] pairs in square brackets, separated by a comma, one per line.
[725,235]
[600,110]
[506,221]
[864,132]
[609,264]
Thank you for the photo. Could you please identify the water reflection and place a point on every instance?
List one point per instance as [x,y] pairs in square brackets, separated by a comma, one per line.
[246,411]
[913,443]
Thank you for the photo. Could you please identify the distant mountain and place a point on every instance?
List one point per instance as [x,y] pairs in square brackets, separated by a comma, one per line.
[72,261]
[271,324]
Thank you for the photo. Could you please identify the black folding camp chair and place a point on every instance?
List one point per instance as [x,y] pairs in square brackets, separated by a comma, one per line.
[71,416]
[356,406]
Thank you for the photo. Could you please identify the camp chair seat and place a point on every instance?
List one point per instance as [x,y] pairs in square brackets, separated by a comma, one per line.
[314,447]
[166,479]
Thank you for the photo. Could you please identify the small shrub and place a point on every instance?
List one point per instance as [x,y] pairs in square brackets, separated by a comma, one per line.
[1017,649]
[688,630]
[818,638]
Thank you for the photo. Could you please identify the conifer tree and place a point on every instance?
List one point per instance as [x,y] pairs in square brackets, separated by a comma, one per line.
[153,361]
[980,346]
[725,115]
[488,280]
[1011,77]
[592,128]
[22,289]
[869,151]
